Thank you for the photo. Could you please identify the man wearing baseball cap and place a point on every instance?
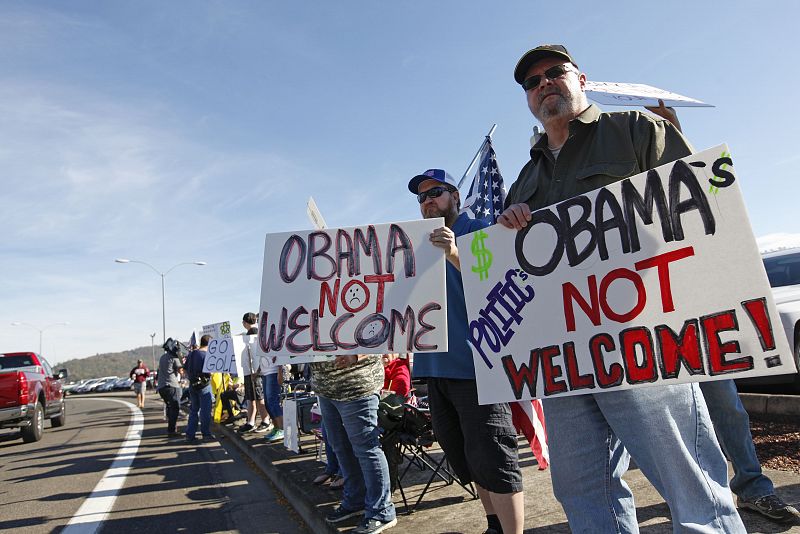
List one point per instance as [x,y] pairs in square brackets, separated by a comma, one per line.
[591,438]
[480,441]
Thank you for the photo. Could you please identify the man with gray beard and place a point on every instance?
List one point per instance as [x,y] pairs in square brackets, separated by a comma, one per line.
[666,429]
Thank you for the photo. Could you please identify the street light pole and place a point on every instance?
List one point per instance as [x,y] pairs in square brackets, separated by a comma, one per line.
[163,310]
[163,292]
[153,348]
[40,330]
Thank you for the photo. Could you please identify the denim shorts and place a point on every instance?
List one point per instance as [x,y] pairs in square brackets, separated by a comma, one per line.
[480,441]
[272,395]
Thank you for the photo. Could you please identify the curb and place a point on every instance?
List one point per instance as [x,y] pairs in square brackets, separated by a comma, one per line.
[763,404]
[296,495]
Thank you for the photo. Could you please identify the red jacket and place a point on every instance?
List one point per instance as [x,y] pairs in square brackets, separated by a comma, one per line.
[398,377]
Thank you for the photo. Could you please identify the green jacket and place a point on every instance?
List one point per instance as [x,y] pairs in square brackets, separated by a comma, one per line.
[601,148]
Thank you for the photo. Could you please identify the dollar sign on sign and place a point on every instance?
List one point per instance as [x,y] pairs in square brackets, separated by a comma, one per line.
[482,255]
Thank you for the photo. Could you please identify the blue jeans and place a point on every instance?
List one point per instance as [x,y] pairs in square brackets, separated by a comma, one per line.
[331,462]
[272,395]
[732,425]
[352,430]
[199,404]
[669,434]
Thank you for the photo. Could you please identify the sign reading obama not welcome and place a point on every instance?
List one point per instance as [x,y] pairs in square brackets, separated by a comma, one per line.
[652,280]
[367,289]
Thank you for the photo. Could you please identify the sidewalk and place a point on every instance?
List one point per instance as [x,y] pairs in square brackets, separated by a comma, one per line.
[450,509]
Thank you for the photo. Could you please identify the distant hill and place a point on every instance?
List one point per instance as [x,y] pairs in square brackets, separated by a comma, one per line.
[108,364]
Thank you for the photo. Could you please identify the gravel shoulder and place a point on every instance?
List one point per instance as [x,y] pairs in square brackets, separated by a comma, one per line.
[777,440]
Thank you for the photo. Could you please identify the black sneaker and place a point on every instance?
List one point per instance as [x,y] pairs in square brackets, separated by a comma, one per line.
[263,427]
[373,526]
[245,428]
[340,514]
[770,506]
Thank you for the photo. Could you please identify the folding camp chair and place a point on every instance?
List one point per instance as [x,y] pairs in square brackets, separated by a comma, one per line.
[415,436]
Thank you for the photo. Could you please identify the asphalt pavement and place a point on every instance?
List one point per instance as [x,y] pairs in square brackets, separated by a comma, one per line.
[242,484]
[448,508]
[170,487]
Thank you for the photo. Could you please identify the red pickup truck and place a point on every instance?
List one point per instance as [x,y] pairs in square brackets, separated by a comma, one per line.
[30,393]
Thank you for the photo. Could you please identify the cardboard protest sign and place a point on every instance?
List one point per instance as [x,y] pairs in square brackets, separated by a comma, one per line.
[224,350]
[366,289]
[652,280]
[637,94]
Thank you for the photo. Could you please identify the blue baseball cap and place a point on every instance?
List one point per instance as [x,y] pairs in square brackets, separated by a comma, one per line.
[439,175]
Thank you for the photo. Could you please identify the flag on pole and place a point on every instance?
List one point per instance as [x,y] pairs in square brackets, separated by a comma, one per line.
[485,201]
[486,193]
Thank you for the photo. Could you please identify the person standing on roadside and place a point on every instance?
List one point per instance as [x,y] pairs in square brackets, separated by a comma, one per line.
[169,383]
[667,430]
[200,394]
[139,376]
[480,441]
[753,489]
[347,389]
[253,384]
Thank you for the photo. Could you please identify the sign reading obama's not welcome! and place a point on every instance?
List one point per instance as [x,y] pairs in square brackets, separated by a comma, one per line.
[652,280]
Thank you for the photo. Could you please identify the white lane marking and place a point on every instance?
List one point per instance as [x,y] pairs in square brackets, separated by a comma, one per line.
[94,510]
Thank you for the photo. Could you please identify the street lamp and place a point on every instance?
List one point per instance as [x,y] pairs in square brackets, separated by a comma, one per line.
[162,275]
[41,330]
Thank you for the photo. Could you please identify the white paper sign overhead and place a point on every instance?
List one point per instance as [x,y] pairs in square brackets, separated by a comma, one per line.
[359,290]
[637,94]
[652,280]
[224,350]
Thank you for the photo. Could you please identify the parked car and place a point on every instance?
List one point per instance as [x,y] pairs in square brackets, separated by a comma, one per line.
[783,272]
[91,384]
[30,393]
[123,384]
[100,382]
[69,389]
[106,385]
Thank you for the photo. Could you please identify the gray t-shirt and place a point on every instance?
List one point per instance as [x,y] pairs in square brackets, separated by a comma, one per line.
[168,367]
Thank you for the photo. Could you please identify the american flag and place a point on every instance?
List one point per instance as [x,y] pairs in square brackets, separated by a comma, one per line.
[487,193]
[485,200]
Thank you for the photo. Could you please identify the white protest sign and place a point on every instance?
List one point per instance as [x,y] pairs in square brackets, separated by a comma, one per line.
[366,289]
[637,94]
[652,280]
[221,355]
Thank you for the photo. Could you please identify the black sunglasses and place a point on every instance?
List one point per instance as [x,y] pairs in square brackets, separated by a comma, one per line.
[433,192]
[552,73]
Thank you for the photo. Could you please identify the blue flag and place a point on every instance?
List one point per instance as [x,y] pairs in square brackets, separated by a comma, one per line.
[487,194]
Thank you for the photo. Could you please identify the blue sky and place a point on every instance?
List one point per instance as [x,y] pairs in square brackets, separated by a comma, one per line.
[180,131]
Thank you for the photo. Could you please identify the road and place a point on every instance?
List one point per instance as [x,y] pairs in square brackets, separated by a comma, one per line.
[169,487]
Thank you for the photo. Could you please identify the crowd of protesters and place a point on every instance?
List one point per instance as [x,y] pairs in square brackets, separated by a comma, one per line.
[676,434]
